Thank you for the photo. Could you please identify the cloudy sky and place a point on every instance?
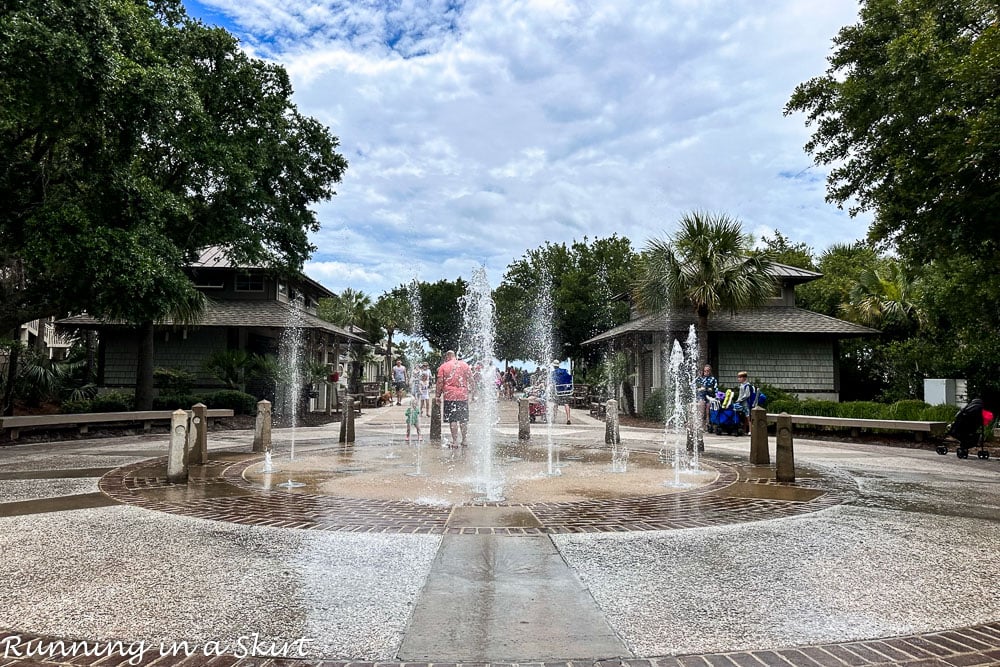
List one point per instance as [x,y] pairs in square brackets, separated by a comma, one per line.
[477,130]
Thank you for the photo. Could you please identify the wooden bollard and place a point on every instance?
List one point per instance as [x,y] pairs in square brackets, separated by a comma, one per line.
[523,419]
[347,421]
[759,454]
[176,470]
[435,432]
[262,428]
[612,433]
[784,470]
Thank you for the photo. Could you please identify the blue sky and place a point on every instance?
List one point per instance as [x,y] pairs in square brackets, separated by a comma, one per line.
[478,130]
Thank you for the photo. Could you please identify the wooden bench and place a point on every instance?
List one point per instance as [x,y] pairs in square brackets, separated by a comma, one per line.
[918,428]
[598,410]
[581,396]
[84,420]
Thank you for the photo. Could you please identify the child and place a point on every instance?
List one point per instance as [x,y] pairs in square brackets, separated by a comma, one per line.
[413,419]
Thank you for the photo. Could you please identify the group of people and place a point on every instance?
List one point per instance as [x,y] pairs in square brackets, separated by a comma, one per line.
[707,385]
[455,381]
[455,387]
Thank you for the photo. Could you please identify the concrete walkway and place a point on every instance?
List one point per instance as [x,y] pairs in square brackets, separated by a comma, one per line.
[876,556]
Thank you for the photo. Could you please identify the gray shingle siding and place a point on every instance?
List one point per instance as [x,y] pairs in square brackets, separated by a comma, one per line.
[797,364]
[120,357]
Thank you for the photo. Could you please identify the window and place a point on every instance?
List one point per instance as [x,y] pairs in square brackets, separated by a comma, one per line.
[250,282]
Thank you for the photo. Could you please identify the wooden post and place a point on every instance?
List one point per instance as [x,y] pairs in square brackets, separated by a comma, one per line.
[523,419]
[612,434]
[435,433]
[262,428]
[785,456]
[759,454]
[176,471]
[347,421]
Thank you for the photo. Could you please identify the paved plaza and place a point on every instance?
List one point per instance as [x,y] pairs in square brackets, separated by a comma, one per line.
[874,556]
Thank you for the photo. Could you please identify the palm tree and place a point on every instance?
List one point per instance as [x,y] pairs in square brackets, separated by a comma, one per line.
[708,266]
[350,309]
[886,295]
[393,312]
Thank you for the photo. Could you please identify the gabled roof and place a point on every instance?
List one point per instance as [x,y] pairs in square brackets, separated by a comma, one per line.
[793,274]
[242,313]
[769,319]
[214,257]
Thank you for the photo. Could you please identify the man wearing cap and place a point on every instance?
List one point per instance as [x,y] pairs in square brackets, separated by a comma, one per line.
[562,387]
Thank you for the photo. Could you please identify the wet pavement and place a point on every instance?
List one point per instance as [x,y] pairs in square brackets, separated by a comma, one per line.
[875,555]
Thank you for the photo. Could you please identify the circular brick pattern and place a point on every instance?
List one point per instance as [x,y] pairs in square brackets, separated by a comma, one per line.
[234,499]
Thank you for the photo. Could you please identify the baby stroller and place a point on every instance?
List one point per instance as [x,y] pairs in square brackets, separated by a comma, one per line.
[722,416]
[968,429]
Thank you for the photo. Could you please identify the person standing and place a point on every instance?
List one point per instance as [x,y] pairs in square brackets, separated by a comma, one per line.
[742,402]
[425,389]
[562,387]
[706,385]
[413,418]
[399,380]
[454,381]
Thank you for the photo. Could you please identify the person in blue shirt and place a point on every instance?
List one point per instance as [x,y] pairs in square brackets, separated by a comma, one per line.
[562,383]
[706,385]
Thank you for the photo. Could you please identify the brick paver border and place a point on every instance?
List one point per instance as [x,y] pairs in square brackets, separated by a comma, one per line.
[973,645]
[699,507]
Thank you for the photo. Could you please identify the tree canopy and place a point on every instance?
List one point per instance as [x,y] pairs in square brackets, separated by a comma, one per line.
[707,266]
[908,116]
[583,278]
[130,137]
[441,316]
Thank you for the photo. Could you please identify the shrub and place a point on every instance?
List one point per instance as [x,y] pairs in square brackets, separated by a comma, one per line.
[791,406]
[75,407]
[819,408]
[910,409]
[176,401]
[773,393]
[237,401]
[113,401]
[173,381]
[653,408]
[862,410]
[938,413]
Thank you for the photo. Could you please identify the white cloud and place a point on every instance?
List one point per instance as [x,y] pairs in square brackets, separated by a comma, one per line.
[478,131]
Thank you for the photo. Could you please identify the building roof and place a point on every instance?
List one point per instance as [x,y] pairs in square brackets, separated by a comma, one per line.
[214,257]
[233,313]
[793,274]
[769,319]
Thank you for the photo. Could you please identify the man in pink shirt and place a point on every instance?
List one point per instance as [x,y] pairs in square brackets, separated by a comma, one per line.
[454,379]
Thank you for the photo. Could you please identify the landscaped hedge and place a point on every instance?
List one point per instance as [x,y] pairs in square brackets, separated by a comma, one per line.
[122,401]
[909,410]
[653,408]
[113,401]
[237,401]
[176,402]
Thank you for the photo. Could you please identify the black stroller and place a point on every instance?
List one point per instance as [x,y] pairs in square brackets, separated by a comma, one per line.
[968,429]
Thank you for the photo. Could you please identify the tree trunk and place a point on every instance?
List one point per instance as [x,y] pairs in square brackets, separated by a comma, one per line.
[388,354]
[702,331]
[144,368]
[628,398]
[7,402]
[91,355]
